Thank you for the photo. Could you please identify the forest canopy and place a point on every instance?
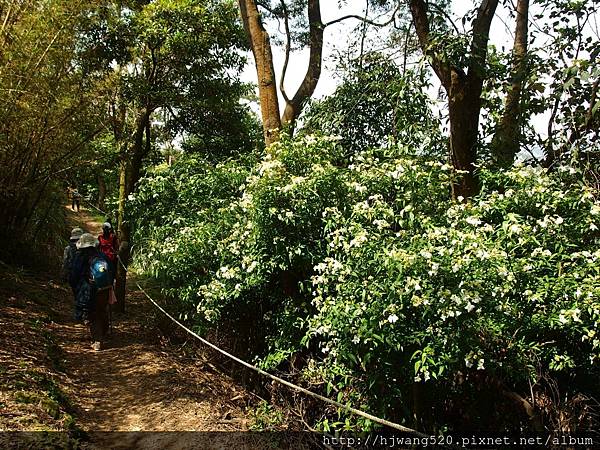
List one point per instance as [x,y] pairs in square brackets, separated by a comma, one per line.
[420,243]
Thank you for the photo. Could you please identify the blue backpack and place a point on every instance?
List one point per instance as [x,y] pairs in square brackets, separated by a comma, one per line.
[100,273]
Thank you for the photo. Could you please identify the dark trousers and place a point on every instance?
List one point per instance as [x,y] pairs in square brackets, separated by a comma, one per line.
[75,202]
[99,317]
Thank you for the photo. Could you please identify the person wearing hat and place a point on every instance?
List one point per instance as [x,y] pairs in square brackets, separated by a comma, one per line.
[69,253]
[76,199]
[91,305]
[109,245]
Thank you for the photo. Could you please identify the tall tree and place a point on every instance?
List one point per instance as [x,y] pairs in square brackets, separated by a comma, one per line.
[505,144]
[260,42]
[463,84]
[178,52]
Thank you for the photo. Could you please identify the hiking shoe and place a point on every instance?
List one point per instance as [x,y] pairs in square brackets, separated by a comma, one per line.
[96,346]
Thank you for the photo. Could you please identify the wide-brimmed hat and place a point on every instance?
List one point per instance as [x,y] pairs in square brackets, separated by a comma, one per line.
[87,240]
[76,234]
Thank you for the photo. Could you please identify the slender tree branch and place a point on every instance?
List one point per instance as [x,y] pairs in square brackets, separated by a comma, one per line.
[311,78]
[288,44]
[5,19]
[50,172]
[364,19]
[406,38]
[175,117]
[550,152]
[363,37]
[537,161]
[419,11]
[446,16]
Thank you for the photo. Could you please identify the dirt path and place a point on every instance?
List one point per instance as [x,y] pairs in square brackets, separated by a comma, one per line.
[135,384]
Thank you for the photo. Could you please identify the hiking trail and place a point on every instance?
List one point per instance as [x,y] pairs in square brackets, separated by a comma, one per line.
[135,383]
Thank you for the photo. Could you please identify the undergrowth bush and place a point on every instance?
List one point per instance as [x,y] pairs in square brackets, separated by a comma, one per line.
[366,268]
[43,235]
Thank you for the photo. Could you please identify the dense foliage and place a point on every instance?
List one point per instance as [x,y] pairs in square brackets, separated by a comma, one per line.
[367,268]
[172,82]
[103,87]
[48,111]
[376,103]
[346,256]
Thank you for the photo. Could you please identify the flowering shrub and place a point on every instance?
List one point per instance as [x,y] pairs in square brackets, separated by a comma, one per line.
[507,284]
[368,268]
[179,215]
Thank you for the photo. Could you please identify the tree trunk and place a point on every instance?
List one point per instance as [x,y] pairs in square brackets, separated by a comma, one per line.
[101,191]
[463,89]
[123,231]
[129,174]
[505,144]
[464,105]
[294,106]
[263,57]
[139,151]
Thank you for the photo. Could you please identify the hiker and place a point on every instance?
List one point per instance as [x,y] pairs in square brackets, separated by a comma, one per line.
[90,277]
[69,253]
[109,245]
[76,199]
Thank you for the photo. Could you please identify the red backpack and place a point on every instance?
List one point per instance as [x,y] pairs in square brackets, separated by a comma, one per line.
[108,246]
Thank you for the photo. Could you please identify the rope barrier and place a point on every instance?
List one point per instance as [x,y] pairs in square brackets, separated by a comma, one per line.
[346,408]
[281,380]
[89,203]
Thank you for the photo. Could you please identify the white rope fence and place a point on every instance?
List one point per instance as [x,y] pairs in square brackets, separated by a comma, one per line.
[90,203]
[346,408]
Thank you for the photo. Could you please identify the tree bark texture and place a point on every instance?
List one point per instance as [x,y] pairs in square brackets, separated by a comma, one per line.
[123,231]
[307,88]
[463,89]
[101,191]
[505,144]
[464,105]
[263,57]
[129,174]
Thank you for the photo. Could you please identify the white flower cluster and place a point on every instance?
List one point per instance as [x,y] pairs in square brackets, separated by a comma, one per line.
[270,166]
[475,359]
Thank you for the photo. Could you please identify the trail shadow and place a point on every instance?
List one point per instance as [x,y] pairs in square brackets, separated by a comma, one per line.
[136,383]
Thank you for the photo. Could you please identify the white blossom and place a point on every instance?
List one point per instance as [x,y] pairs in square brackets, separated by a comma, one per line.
[514,228]
[475,221]
[381,224]
[252,266]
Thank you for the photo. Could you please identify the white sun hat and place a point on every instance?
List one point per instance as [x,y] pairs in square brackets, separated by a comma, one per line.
[87,240]
[76,234]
